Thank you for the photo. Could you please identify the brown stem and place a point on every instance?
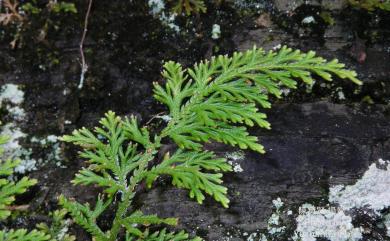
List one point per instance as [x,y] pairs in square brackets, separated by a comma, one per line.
[18,207]
[84,65]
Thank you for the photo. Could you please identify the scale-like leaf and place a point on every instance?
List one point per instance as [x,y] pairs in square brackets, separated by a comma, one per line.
[23,235]
[215,100]
[187,171]
[223,93]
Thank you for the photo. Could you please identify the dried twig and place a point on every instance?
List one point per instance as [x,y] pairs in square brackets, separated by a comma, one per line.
[84,65]
[12,13]
[156,116]
[18,207]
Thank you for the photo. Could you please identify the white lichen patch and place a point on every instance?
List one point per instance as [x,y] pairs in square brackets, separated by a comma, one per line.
[14,150]
[11,93]
[169,20]
[341,95]
[274,219]
[233,157]
[216,31]
[275,226]
[278,203]
[12,97]
[50,139]
[12,147]
[52,146]
[371,191]
[26,166]
[332,224]
[277,47]
[236,167]
[157,8]
[17,112]
[387,224]
[285,91]
[308,20]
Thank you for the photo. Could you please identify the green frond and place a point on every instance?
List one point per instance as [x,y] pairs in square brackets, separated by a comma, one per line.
[138,217]
[85,217]
[9,189]
[23,235]
[189,6]
[208,101]
[139,135]
[84,138]
[215,100]
[176,90]
[188,134]
[187,171]
[88,177]
[115,164]
[3,140]
[58,227]
[162,235]
[371,5]
[7,167]
[110,152]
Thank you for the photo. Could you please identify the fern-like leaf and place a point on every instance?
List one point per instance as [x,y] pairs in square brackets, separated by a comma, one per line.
[187,171]
[23,235]
[8,189]
[111,157]
[189,6]
[85,217]
[162,235]
[59,226]
[215,100]
[118,165]
[207,102]
[138,217]
[371,5]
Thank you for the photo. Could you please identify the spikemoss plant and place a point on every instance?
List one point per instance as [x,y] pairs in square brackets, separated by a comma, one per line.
[212,101]
[189,6]
[371,5]
[8,190]
[58,230]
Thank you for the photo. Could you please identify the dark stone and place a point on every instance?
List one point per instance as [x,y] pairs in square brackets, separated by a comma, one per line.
[296,167]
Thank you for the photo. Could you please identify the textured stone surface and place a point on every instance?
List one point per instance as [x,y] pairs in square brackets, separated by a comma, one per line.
[308,143]
[291,5]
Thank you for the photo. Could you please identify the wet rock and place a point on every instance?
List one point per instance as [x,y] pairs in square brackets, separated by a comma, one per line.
[264,21]
[266,38]
[336,36]
[296,167]
[289,6]
[334,4]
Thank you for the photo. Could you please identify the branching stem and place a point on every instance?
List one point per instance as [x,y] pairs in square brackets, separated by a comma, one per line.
[128,195]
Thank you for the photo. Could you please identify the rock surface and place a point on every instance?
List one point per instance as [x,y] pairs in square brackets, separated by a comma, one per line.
[291,5]
[312,146]
[308,144]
